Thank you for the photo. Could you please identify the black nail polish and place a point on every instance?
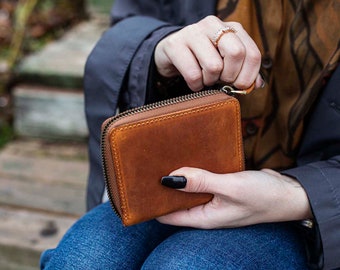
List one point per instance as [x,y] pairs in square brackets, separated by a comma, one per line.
[175,182]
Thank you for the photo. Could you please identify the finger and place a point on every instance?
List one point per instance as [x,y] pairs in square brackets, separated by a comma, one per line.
[192,217]
[231,56]
[197,181]
[251,61]
[194,180]
[187,65]
[208,58]
[233,53]
[260,82]
[203,43]
[242,55]
[206,54]
[251,64]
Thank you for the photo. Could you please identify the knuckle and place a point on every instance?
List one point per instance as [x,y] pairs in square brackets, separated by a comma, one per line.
[209,20]
[235,25]
[194,76]
[254,56]
[229,76]
[237,53]
[172,40]
[200,181]
[191,32]
[191,28]
[215,67]
[227,79]
[242,84]
[203,186]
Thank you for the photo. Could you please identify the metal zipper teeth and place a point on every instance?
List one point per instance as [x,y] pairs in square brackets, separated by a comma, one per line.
[139,110]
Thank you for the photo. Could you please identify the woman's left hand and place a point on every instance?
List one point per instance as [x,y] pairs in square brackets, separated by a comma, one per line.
[240,199]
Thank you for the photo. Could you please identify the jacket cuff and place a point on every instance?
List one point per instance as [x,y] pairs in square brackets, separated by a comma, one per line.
[321,183]
[139,78]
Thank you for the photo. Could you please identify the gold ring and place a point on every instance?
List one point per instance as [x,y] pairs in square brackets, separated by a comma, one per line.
[220,33]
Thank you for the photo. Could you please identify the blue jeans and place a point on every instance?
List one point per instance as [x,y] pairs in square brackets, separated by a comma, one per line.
[99,241]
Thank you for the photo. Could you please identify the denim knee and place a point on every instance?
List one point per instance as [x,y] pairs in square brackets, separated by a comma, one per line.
[99,241]
[266,246]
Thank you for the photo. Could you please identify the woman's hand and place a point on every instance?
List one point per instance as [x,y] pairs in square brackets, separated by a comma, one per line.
[191,52]
[240,199]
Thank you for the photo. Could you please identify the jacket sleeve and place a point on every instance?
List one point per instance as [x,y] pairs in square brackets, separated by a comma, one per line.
[116,71]
[318,172]
[106,73]
[172,15]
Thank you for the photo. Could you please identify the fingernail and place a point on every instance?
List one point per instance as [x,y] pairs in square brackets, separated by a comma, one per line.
[263,84]
[175,182]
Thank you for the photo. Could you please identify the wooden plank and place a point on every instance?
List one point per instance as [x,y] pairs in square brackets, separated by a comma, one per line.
[45,112]
[61,63]
[23,237]
[47,148]
[49,177]
[48,197]
[43,169]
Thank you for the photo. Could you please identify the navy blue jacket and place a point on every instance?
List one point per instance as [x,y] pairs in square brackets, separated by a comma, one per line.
[116,77]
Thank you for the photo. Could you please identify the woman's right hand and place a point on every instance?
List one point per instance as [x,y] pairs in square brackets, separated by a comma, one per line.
[191,53]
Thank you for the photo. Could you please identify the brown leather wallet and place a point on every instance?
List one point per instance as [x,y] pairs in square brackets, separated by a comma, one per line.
[142,145]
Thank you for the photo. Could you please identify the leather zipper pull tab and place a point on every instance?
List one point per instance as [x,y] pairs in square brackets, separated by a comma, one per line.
[232,91]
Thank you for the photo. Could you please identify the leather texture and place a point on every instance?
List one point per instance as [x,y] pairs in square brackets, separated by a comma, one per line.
[142,148]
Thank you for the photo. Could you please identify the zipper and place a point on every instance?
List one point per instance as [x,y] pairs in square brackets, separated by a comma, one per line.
[225,89]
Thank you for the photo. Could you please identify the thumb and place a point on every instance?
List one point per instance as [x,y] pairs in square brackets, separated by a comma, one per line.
[190,180]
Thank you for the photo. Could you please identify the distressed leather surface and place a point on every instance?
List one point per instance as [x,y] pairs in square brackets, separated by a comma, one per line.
[206,136]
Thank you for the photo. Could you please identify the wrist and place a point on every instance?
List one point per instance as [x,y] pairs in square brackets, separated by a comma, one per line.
[297,196]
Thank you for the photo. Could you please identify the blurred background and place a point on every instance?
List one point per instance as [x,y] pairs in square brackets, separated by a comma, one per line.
[43,135]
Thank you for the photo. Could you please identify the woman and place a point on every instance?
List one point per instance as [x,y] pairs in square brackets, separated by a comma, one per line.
[254,220]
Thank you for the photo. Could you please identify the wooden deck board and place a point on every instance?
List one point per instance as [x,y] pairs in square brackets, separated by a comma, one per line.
[47,197]
[21,236]
[42,186]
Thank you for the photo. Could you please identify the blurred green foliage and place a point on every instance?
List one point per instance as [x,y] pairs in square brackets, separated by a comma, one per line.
[26,26]
[29,24]
[100,6]
[6,133]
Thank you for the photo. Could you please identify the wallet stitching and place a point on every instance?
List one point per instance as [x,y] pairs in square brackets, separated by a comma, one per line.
[121,187]
[175,115]
[239,139]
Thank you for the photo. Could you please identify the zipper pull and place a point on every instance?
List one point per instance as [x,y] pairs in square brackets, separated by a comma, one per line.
[229,90]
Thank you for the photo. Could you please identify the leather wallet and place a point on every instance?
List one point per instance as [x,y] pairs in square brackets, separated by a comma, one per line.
[142,145]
